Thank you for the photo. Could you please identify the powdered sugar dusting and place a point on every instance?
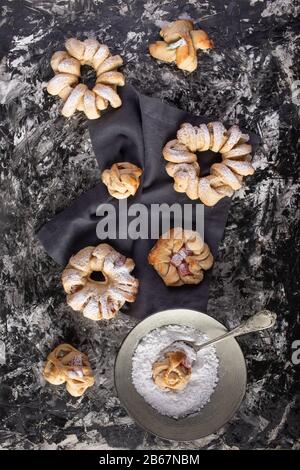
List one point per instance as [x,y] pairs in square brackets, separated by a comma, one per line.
[201,385]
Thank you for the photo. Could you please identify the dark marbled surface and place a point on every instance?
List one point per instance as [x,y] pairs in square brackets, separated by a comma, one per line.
[47,161]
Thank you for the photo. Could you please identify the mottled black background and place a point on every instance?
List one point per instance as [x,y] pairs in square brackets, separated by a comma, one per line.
[251,77]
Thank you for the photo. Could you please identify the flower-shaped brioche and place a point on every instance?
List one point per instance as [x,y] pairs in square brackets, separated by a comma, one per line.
[66,364]
[181,257]
[76,96]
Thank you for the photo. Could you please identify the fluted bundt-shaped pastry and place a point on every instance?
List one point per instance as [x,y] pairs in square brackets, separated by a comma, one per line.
[96,299]
[122,179]
[181,257]
[76,96]
[172,372]
[180,44]
[66,364]
[225,177]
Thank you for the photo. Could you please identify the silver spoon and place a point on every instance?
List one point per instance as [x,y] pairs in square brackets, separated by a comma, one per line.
[259,321]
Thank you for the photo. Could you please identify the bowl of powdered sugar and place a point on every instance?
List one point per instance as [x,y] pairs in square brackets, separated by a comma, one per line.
[171,390]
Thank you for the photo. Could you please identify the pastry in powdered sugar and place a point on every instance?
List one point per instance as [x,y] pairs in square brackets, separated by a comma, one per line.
[172,372]
[99,300]
[181,257]
[170,375]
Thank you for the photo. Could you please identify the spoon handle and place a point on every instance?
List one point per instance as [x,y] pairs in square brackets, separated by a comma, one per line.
[259,321]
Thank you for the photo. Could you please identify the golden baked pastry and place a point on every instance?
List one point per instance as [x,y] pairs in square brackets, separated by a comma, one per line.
[99,300]
[76,96]
[172,372]
[225,177]
[68,365]
[180,44]
[181,257]
[122,179]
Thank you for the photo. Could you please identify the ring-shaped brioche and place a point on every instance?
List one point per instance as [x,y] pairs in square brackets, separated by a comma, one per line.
[225,177]
[99,300]
[76,96]
[180,257]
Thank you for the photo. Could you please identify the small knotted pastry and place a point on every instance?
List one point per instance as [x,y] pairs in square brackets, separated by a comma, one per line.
[225,177]
[180,44]
[122,179]
[68,365]
[99,299]
[173,372]
[76,96]
[181,257]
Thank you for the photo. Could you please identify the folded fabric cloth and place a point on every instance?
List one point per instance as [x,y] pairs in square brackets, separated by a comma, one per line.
[136,132]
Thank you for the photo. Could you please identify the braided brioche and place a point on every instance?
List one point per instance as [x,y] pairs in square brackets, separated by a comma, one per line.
[99,300]
[180,44]
[66,364]
[76,96]
[122,179]
[180,257]
[225,177]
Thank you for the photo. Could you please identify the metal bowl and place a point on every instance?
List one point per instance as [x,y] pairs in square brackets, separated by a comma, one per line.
[225,399]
